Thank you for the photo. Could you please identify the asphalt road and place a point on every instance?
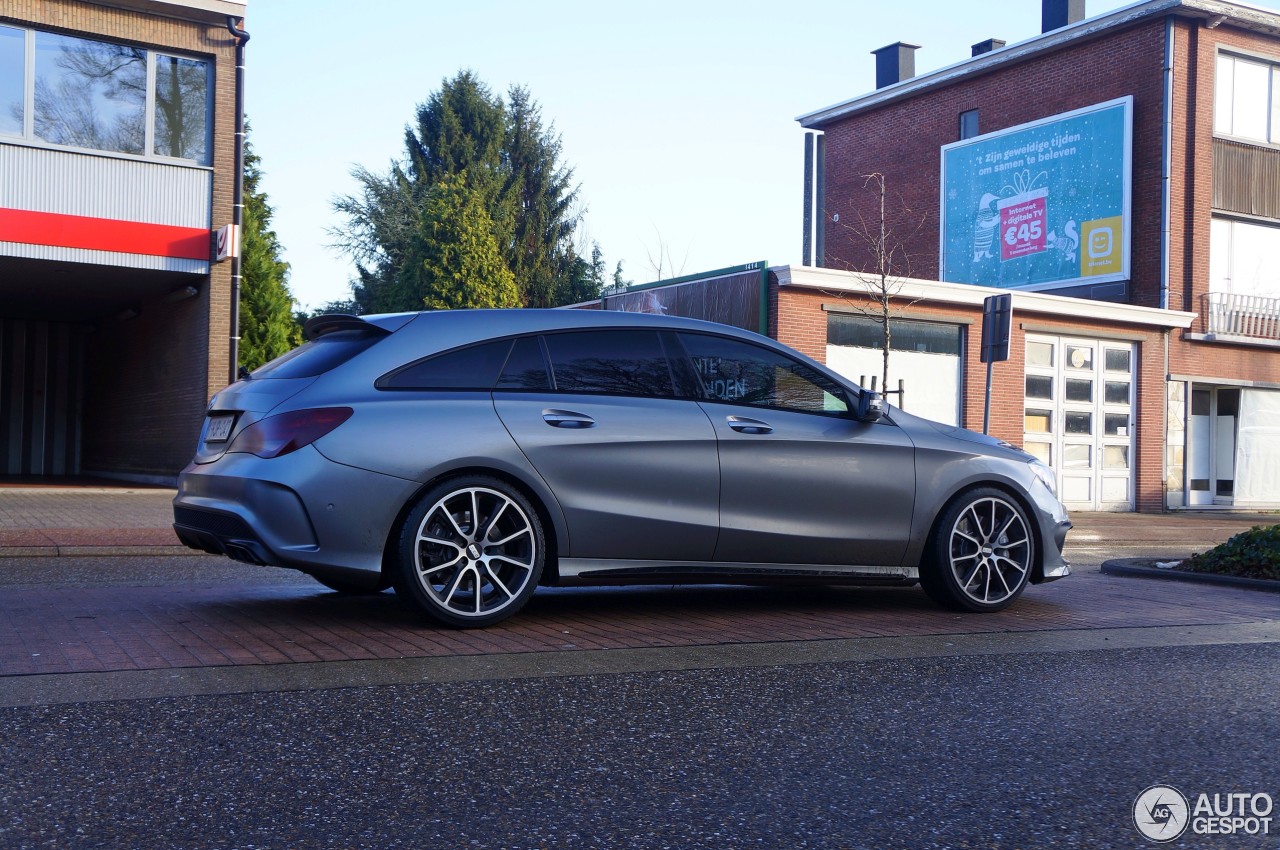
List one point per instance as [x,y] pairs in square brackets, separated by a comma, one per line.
[1006,750]
[990,740]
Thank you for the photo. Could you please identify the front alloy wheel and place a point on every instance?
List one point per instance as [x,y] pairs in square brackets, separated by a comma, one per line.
[471,552]
[981,553]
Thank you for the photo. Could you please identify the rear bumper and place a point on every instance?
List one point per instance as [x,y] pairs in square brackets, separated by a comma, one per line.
[301,511]
[220,533]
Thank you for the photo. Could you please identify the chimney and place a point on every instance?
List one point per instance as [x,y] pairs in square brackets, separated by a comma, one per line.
[895,63]
[988,46]
[1056,14]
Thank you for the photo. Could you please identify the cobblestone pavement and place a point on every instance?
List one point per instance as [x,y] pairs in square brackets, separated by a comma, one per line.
[89,628]
[92,614]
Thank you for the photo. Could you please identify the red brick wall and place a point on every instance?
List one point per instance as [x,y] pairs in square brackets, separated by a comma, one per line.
[1191,204]
[903,140]
[149,379]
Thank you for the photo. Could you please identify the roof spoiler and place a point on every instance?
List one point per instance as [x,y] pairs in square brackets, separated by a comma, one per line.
[318,326]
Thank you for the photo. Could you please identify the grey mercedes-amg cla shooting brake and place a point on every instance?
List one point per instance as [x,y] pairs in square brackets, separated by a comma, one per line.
[468,457]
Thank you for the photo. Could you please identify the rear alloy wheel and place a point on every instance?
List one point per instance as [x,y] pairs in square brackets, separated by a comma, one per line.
[471,552]
[981,554]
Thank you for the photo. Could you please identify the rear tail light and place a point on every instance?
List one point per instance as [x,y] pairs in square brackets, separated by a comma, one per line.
[287,432]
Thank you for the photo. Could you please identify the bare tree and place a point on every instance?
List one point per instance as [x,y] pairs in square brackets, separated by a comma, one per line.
[660,261]
[886,265]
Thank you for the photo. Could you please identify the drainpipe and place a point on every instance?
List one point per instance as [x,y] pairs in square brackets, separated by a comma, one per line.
[237,215]
[1166,227]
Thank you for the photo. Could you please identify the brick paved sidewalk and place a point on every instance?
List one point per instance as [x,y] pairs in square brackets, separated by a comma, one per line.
[108,628]
[87,521]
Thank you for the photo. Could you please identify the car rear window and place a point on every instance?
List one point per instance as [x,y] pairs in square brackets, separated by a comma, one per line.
[319,355]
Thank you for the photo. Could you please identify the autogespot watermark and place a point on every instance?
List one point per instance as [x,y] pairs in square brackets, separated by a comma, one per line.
[1161,813]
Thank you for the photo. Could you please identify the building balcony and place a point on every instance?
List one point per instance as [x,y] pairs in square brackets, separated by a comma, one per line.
[1239,318]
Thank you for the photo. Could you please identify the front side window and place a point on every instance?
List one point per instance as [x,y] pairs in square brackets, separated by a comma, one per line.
[90,94]
[621,362]
[13,61]
[741,373]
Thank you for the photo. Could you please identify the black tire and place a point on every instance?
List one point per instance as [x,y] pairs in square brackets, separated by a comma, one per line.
[470,552]
[980,554]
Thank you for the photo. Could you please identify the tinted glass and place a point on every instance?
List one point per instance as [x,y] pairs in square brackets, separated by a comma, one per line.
[474,368]
[90,94]
[905,334]
[526,369]
[611,362]
[742,373]
[319,355]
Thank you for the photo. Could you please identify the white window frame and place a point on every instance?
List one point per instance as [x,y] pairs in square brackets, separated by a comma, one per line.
[1224,112]
[28,136]
[1224,276]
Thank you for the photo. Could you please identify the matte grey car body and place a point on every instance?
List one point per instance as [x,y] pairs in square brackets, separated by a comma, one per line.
[468,456]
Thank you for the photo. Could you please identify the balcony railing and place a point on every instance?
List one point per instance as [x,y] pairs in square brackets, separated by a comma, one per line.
[1241,315]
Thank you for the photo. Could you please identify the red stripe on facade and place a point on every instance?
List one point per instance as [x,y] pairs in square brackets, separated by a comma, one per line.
[103,234]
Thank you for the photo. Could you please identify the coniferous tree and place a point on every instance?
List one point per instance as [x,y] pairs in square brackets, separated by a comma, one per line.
[466,138]
[454,261]
[267,326]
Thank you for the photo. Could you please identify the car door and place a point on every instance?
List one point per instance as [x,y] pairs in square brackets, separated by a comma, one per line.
[633,467]
[801,480]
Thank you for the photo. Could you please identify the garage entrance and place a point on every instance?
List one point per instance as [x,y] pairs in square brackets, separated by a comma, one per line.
[1078,418]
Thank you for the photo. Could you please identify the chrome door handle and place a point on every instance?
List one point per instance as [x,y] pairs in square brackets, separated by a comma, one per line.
[744,425]
[567,419]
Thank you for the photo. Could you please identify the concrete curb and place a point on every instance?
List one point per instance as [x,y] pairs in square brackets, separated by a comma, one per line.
[1131,567]
[92,551]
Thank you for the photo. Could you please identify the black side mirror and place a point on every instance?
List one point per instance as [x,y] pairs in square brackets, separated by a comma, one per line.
[870,407]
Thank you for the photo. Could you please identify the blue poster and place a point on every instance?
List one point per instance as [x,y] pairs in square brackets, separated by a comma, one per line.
[1041,205]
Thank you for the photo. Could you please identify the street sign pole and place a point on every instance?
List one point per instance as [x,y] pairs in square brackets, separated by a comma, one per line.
[997,318]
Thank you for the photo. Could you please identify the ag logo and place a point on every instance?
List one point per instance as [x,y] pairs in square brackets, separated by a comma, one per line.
[1160,813]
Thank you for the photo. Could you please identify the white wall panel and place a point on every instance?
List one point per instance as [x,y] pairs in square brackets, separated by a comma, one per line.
[72,183]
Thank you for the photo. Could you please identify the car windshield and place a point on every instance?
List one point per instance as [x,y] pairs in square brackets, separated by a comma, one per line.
[319,355]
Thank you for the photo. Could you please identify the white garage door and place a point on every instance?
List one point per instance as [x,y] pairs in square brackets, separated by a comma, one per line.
[1078,418]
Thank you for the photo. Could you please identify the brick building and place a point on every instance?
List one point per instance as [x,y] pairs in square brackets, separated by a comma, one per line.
[1121,174]
[118,127]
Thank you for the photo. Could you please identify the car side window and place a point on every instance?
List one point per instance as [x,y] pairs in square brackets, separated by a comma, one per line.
[526,368]
[475,367]
[610,362]
[741,373]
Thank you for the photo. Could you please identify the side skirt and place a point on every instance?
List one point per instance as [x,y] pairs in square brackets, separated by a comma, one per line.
[592,571]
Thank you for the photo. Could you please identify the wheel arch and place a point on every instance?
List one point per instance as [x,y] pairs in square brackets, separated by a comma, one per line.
[554,533]
[1016,496]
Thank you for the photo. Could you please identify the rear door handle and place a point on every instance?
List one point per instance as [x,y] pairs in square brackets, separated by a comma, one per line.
[567,419]
[743,425]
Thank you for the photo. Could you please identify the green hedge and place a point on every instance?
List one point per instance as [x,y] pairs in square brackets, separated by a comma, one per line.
[1251,554]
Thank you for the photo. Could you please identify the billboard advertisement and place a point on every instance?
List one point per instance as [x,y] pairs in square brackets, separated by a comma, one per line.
[1042,205]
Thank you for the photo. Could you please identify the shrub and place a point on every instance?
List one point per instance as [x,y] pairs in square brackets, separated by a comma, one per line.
[1251,554]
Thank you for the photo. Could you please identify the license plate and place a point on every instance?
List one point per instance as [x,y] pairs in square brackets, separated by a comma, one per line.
[219,429]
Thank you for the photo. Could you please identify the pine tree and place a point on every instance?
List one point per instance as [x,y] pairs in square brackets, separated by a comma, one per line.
[267,326]
[507,161]
[454,260]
